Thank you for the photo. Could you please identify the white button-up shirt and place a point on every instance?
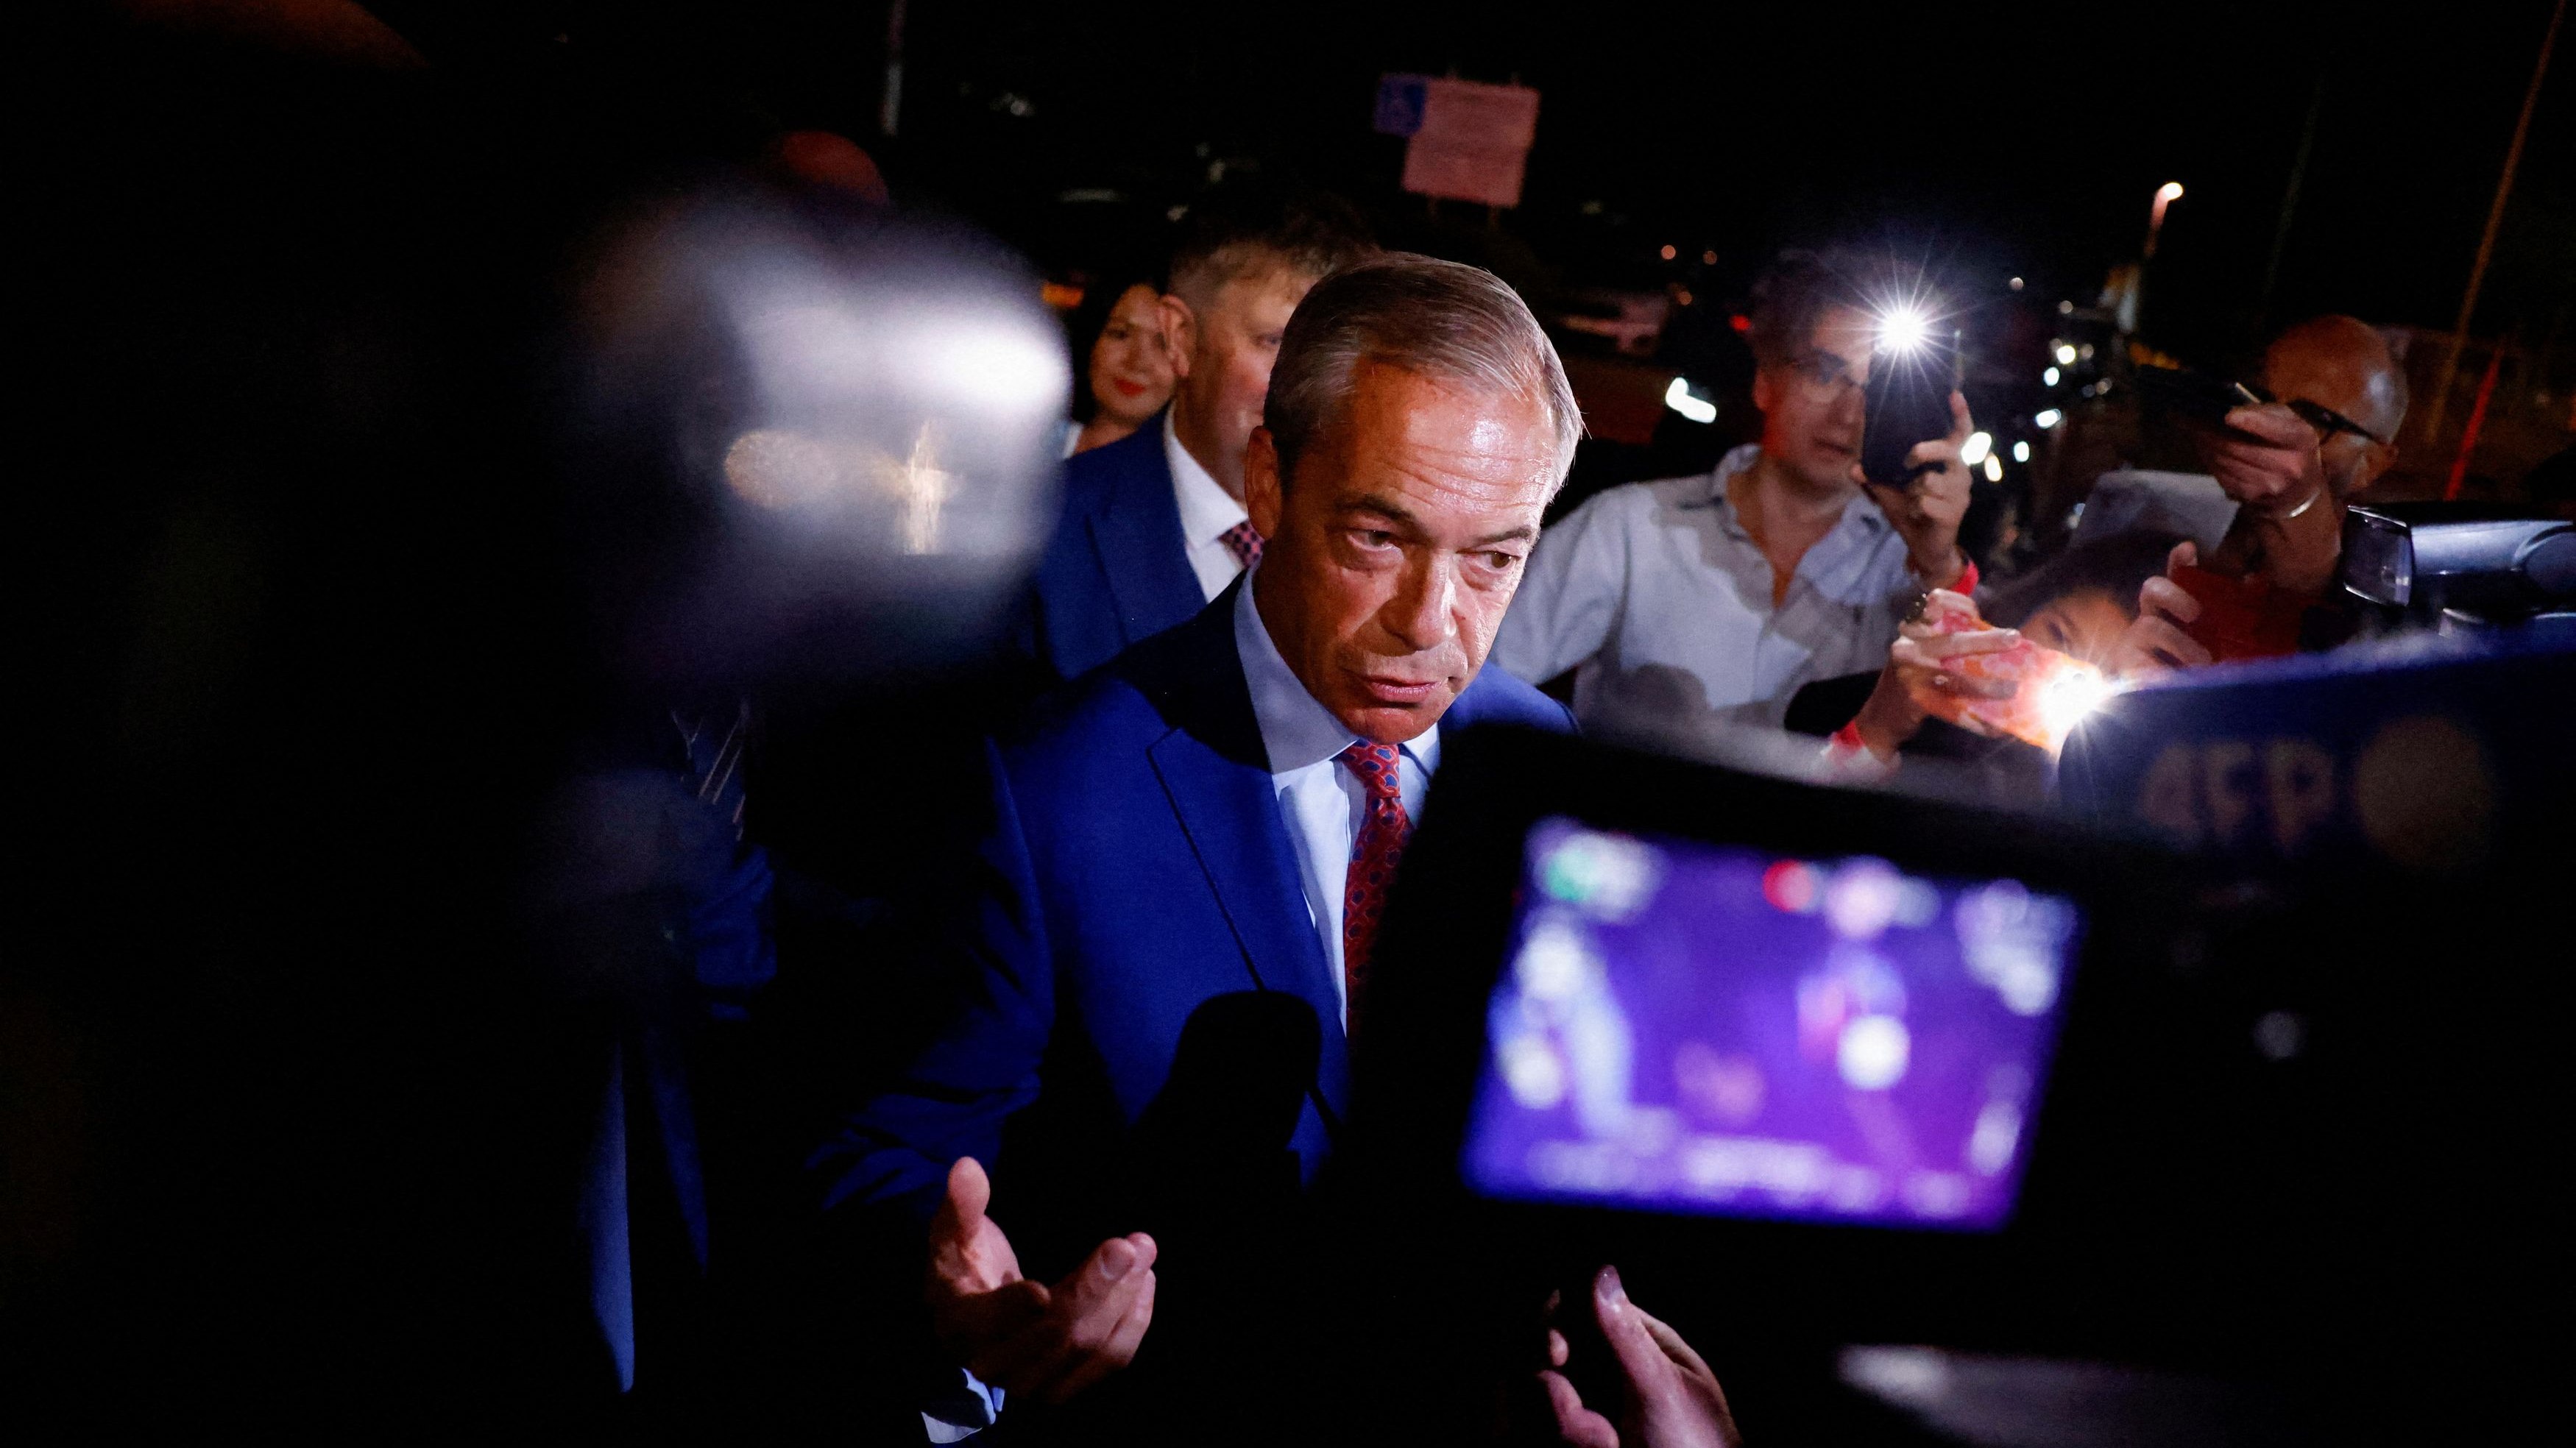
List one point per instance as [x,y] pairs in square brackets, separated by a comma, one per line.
[1659,599]
[1208,512]
[1321,801]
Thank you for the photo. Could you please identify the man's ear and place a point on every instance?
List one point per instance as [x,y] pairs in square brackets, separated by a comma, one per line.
[1765,391]
[1180,333]
[1264,499]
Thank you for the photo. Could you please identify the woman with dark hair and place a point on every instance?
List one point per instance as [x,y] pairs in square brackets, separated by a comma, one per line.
[1126,364]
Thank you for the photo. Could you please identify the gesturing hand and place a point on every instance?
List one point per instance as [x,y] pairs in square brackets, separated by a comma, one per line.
[1669,1397]
[1022,1336]
[2154,643]
[1926,511]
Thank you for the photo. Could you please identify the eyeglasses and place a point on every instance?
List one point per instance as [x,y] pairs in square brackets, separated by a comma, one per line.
[1824,376]
[2329,422]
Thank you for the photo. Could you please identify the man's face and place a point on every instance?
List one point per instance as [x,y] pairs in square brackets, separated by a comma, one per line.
[1393,553]
[2354,377]
[1812,404]
[1225,354]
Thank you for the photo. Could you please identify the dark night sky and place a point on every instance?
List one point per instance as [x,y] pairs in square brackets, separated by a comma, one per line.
[2010,138]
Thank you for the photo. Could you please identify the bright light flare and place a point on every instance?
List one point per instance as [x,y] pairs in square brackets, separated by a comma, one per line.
[1994,468]
[2071,695]
[1902,329]
[1678,398]
[2021,452]
[2049,377]
[2065,354]
[1978,447]
[2049,417]
[2169,192]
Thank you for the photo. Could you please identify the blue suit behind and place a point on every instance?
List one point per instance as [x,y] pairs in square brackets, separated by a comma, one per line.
[1117,571]
[1145,1002]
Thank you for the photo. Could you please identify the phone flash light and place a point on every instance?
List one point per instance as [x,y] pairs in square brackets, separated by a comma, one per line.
[1902,330]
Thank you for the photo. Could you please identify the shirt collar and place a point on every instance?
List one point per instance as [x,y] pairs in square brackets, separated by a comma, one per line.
[1207,509]
[1859,514]
[1296,729]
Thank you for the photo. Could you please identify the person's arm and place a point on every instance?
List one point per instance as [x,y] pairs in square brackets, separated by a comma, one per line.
[1570,593]
[2287,528]
[917,1149]
[1926,512]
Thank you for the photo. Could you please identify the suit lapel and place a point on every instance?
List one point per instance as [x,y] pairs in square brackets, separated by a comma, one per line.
[1136,538]
[1217,776]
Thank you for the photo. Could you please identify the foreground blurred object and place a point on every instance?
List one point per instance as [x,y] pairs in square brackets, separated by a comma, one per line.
[1826,1067]
[2446,565]
[1651,1390]
[812,447]
[809,438]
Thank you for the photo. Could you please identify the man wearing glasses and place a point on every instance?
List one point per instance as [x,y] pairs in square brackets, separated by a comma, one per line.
[1702,602]
[2289,468]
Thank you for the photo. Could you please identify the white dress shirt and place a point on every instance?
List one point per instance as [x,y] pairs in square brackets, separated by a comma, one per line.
[1208,512]
[1320,799]
[1661,601]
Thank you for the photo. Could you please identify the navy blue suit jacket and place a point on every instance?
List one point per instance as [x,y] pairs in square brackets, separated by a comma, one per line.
[1137,876]
[1117,571]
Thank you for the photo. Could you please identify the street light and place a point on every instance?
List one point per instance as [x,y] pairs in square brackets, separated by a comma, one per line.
[2166,195]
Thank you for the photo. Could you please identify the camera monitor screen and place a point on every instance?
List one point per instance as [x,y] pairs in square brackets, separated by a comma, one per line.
[1688,1027]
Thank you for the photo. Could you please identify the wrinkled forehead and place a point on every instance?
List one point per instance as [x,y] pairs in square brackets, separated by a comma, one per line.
[1466,443]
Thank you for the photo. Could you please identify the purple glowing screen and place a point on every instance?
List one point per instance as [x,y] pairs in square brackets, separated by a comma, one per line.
[1709,1029]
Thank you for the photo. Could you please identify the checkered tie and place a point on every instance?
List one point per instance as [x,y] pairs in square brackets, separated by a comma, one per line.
[1242,542]
[1383,831]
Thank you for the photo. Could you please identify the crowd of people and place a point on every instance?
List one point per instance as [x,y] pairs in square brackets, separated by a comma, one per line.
[1299,545]
[975,1069]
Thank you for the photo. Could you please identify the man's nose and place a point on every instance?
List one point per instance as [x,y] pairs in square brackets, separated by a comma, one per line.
[1419,615]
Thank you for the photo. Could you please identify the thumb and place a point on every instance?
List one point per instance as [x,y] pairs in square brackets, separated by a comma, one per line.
[2185,554]
[969,1192]
[1641,1362]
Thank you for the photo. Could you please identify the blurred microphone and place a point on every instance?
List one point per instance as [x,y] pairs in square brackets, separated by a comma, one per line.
[807,439]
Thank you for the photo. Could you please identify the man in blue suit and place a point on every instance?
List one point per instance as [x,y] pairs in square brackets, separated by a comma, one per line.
[1154,525]
[1168,941]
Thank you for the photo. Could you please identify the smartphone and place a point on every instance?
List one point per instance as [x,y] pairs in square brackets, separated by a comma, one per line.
[1909,403]
[2052,693]
[2198,395]
[2242,618]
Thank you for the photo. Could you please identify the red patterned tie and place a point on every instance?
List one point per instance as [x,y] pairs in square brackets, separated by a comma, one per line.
[1242,542]
[1383,830]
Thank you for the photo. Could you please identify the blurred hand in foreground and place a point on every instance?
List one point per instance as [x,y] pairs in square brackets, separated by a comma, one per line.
[1668,1398]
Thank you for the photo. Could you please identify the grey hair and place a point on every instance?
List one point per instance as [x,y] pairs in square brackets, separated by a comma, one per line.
[1435,319]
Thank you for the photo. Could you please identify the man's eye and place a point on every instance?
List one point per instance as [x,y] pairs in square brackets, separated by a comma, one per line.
[1501,562]
[1373,537]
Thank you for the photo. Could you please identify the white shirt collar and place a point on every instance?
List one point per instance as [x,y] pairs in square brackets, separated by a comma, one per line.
[1297,731]
[1859,512]
[1207,509]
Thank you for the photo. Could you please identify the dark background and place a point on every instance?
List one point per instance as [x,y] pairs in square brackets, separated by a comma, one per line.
[2022,139]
